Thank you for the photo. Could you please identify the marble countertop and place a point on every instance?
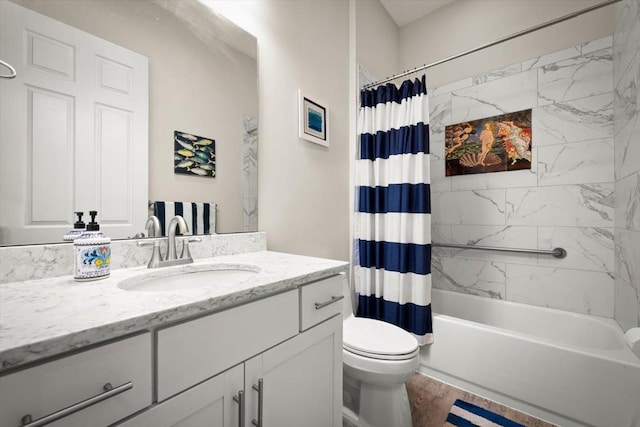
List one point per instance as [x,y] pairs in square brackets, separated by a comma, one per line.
[47,317]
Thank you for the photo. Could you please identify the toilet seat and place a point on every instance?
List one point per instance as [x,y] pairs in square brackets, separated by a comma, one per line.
[377,339]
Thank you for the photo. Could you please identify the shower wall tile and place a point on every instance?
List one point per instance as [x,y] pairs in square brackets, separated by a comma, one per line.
[497,236]
[595,45]
[625,102]
[576,78]
[626,38]
[627,202]
[513,93]
[560,55]
[627,123]
[497,74]
[480,207]
[573,290]
[587,205]
[565,199]
[468,276]
[572,121]
[627,256]
[588,248]
[576,163]
[627,305]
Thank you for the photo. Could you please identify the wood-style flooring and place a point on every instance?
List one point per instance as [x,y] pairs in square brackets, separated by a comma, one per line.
[431,401]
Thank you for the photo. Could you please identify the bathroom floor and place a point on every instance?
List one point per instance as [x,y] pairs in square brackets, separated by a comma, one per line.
[431,401]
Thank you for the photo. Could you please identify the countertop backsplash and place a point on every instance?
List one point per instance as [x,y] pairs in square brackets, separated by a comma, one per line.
[20,263]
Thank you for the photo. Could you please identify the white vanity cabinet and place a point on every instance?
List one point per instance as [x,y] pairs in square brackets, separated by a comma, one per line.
[276,362]
[59,390]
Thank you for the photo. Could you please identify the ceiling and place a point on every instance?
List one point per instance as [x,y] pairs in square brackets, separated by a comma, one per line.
[405,11]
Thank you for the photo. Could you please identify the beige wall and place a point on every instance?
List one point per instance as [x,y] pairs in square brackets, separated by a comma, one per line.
[201,89]
[376,39]
[303,187]
[467,24]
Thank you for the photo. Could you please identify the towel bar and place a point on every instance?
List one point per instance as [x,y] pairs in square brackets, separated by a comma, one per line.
[556,252]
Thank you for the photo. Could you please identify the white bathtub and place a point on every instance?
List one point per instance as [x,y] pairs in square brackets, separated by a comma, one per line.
[566,368]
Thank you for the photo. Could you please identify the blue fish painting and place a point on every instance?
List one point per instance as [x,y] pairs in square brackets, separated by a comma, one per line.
[194,155]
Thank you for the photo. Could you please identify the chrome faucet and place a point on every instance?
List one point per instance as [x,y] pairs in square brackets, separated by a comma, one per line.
[179,223]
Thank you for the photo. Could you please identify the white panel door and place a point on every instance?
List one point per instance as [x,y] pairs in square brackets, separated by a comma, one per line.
[73,130]
[301,380]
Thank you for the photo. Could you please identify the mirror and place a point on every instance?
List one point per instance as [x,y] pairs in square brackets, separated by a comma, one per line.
[202,81]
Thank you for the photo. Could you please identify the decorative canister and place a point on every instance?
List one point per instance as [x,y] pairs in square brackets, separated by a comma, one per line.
[92,253]
[77,230]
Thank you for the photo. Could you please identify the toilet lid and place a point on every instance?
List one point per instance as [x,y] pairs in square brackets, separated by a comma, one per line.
[377,339]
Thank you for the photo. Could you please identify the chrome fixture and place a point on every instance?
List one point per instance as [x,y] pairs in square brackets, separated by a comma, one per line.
[12,71]
[556,252]
[177,224]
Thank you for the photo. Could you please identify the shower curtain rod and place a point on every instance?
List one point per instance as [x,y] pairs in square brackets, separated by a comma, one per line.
[502,40]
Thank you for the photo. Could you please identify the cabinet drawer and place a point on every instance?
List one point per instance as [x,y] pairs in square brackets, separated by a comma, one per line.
[45,389]
[320,300]
[194,351]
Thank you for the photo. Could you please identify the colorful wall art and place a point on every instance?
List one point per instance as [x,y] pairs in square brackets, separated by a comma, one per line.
[194,155]
[493,144]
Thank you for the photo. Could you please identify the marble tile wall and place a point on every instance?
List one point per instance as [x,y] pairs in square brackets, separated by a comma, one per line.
[565,200]
[626,71]
[250,174]
[19,263]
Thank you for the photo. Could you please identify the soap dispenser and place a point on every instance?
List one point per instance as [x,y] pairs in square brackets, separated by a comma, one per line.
[78,229]
[92,252]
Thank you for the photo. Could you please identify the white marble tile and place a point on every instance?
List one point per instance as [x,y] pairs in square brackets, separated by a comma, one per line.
[625,102]
[590,249]
[566,205]
[571,121]
[469,276]
[627,305]
[436,146]
[573,290]
[509,94]
[627,203]
[576,78]
[439,182]
[570,52]
[522,237]
[626,37]
[440,234]
[439,112]
[509,179]
[481,207]
[497,74]
[627,256]
[576,163]
[450,87]
[595,45]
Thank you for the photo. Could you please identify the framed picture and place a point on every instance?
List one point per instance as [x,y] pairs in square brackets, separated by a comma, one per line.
[313,120]
[194,155]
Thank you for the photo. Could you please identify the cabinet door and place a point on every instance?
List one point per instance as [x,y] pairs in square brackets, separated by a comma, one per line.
[301,380]
[209,404]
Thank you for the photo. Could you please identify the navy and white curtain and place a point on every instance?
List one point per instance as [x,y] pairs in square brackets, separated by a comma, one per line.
[392,228]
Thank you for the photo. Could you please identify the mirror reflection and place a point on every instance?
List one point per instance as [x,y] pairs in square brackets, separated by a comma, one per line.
[100,117]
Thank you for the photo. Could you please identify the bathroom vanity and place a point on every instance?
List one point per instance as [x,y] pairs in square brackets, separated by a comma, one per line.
[265,350]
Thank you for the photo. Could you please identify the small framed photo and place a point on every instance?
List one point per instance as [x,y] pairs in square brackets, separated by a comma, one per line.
[313,117]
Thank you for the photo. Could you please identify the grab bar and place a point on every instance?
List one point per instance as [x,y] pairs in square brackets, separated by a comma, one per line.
[11,69]
[556,252]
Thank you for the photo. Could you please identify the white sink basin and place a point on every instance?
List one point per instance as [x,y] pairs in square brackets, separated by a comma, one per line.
[190,277]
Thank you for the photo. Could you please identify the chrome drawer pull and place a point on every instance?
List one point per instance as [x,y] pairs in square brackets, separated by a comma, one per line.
[240,400]
[109,391]
[320,305]
[260,389]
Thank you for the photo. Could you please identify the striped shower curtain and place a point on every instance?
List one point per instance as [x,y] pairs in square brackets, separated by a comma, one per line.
[392,227]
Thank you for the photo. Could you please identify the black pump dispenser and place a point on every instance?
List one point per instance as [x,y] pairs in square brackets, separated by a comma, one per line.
[79,224]
[93,225]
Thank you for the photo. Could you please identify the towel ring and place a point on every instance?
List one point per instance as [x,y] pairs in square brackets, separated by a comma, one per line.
[13,71]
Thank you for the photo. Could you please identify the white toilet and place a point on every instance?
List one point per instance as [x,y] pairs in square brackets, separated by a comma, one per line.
[377,358]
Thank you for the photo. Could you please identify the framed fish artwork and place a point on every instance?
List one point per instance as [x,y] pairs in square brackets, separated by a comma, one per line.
[194,155]
[493,144]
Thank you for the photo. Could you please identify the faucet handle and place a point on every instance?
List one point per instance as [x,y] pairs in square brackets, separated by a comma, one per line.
[156,255]
[186,253]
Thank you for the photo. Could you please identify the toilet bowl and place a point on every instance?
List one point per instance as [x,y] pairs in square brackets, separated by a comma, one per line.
[378,358]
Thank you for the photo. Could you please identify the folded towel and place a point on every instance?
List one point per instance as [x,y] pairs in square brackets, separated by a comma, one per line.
[200,217]
[465,414]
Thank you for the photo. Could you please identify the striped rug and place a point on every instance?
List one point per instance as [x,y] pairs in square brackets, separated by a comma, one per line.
[464,414]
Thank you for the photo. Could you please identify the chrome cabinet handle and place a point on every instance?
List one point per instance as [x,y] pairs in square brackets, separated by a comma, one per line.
[240,400]
[260,389]
[320,305]
[109,391]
